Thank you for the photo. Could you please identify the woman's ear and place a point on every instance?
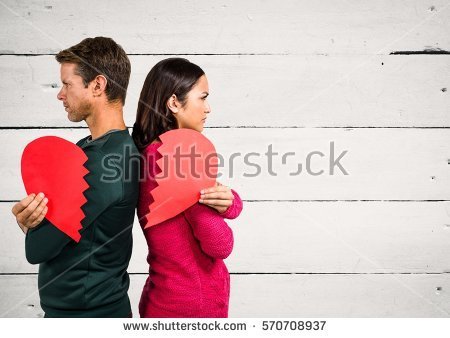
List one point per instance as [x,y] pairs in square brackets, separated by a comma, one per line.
[173,104]
[99,85]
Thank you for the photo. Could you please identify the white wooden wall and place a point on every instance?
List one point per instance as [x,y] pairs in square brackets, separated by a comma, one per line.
[370,76]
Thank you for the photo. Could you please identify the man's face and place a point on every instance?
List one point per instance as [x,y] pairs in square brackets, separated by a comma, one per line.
[73,94]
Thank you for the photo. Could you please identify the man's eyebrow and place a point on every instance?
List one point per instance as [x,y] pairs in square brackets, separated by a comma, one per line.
[206,93]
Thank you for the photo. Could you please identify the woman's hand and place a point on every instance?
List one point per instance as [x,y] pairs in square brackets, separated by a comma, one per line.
[218,197]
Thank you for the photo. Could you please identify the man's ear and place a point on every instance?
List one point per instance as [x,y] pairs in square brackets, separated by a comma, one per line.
[99,85]
[173,104]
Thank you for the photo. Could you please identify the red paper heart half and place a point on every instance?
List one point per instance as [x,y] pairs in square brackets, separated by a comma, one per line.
[54,166]
[188,164]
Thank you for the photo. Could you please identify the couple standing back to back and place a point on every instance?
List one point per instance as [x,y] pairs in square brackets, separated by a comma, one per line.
[187,277]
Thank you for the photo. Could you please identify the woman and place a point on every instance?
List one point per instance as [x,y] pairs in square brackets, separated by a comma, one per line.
[187,276]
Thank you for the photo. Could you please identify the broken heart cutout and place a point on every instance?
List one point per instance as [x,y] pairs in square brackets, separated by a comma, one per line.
[54,166]
[188,164]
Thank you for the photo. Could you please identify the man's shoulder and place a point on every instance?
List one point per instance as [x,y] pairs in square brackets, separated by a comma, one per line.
[112,143]
[82,141]
[118,142]
[116,149]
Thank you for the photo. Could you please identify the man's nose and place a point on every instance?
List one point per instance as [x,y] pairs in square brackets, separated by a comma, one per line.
[59,96]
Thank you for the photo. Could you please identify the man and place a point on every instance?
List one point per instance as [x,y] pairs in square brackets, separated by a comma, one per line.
[89,278]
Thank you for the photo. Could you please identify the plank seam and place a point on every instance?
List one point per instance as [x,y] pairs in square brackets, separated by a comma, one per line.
[363,200]
[401,52]
[436,51]
[238,127]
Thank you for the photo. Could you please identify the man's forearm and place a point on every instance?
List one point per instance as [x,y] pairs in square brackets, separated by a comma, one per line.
[44,242]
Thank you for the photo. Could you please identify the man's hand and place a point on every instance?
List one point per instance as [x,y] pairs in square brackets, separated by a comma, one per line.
[30,211]
[218,197]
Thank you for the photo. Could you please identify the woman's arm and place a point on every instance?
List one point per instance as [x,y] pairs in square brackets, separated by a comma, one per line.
[224,200]
[234,209]
[210,229]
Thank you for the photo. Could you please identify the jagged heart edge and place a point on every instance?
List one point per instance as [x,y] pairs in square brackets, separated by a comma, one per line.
[154,193]
[79,222]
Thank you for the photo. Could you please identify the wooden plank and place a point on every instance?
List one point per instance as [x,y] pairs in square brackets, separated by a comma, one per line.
[286,296]
[20,297]
[293,27]
[340,296]
[382,164]
[342,237]
[276,91]
[306,237]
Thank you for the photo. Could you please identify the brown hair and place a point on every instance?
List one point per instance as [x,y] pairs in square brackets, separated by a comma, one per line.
[100,56]
[170,76]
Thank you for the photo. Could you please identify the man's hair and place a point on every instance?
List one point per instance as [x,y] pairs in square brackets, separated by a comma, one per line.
[100,56]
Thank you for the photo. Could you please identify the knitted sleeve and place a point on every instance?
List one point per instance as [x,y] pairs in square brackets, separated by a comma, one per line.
[235,209]
[210,229]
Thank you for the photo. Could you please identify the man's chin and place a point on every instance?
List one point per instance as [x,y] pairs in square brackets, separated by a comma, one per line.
[74,118]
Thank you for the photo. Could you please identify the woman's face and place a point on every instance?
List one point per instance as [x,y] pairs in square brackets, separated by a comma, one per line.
[193,114]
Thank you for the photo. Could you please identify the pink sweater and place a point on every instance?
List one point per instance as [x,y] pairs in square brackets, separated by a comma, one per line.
[187,275]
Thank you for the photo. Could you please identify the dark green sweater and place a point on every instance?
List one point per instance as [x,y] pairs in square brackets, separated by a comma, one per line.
[89,278]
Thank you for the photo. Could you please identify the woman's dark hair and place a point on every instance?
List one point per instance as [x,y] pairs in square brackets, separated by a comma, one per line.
[170,76]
